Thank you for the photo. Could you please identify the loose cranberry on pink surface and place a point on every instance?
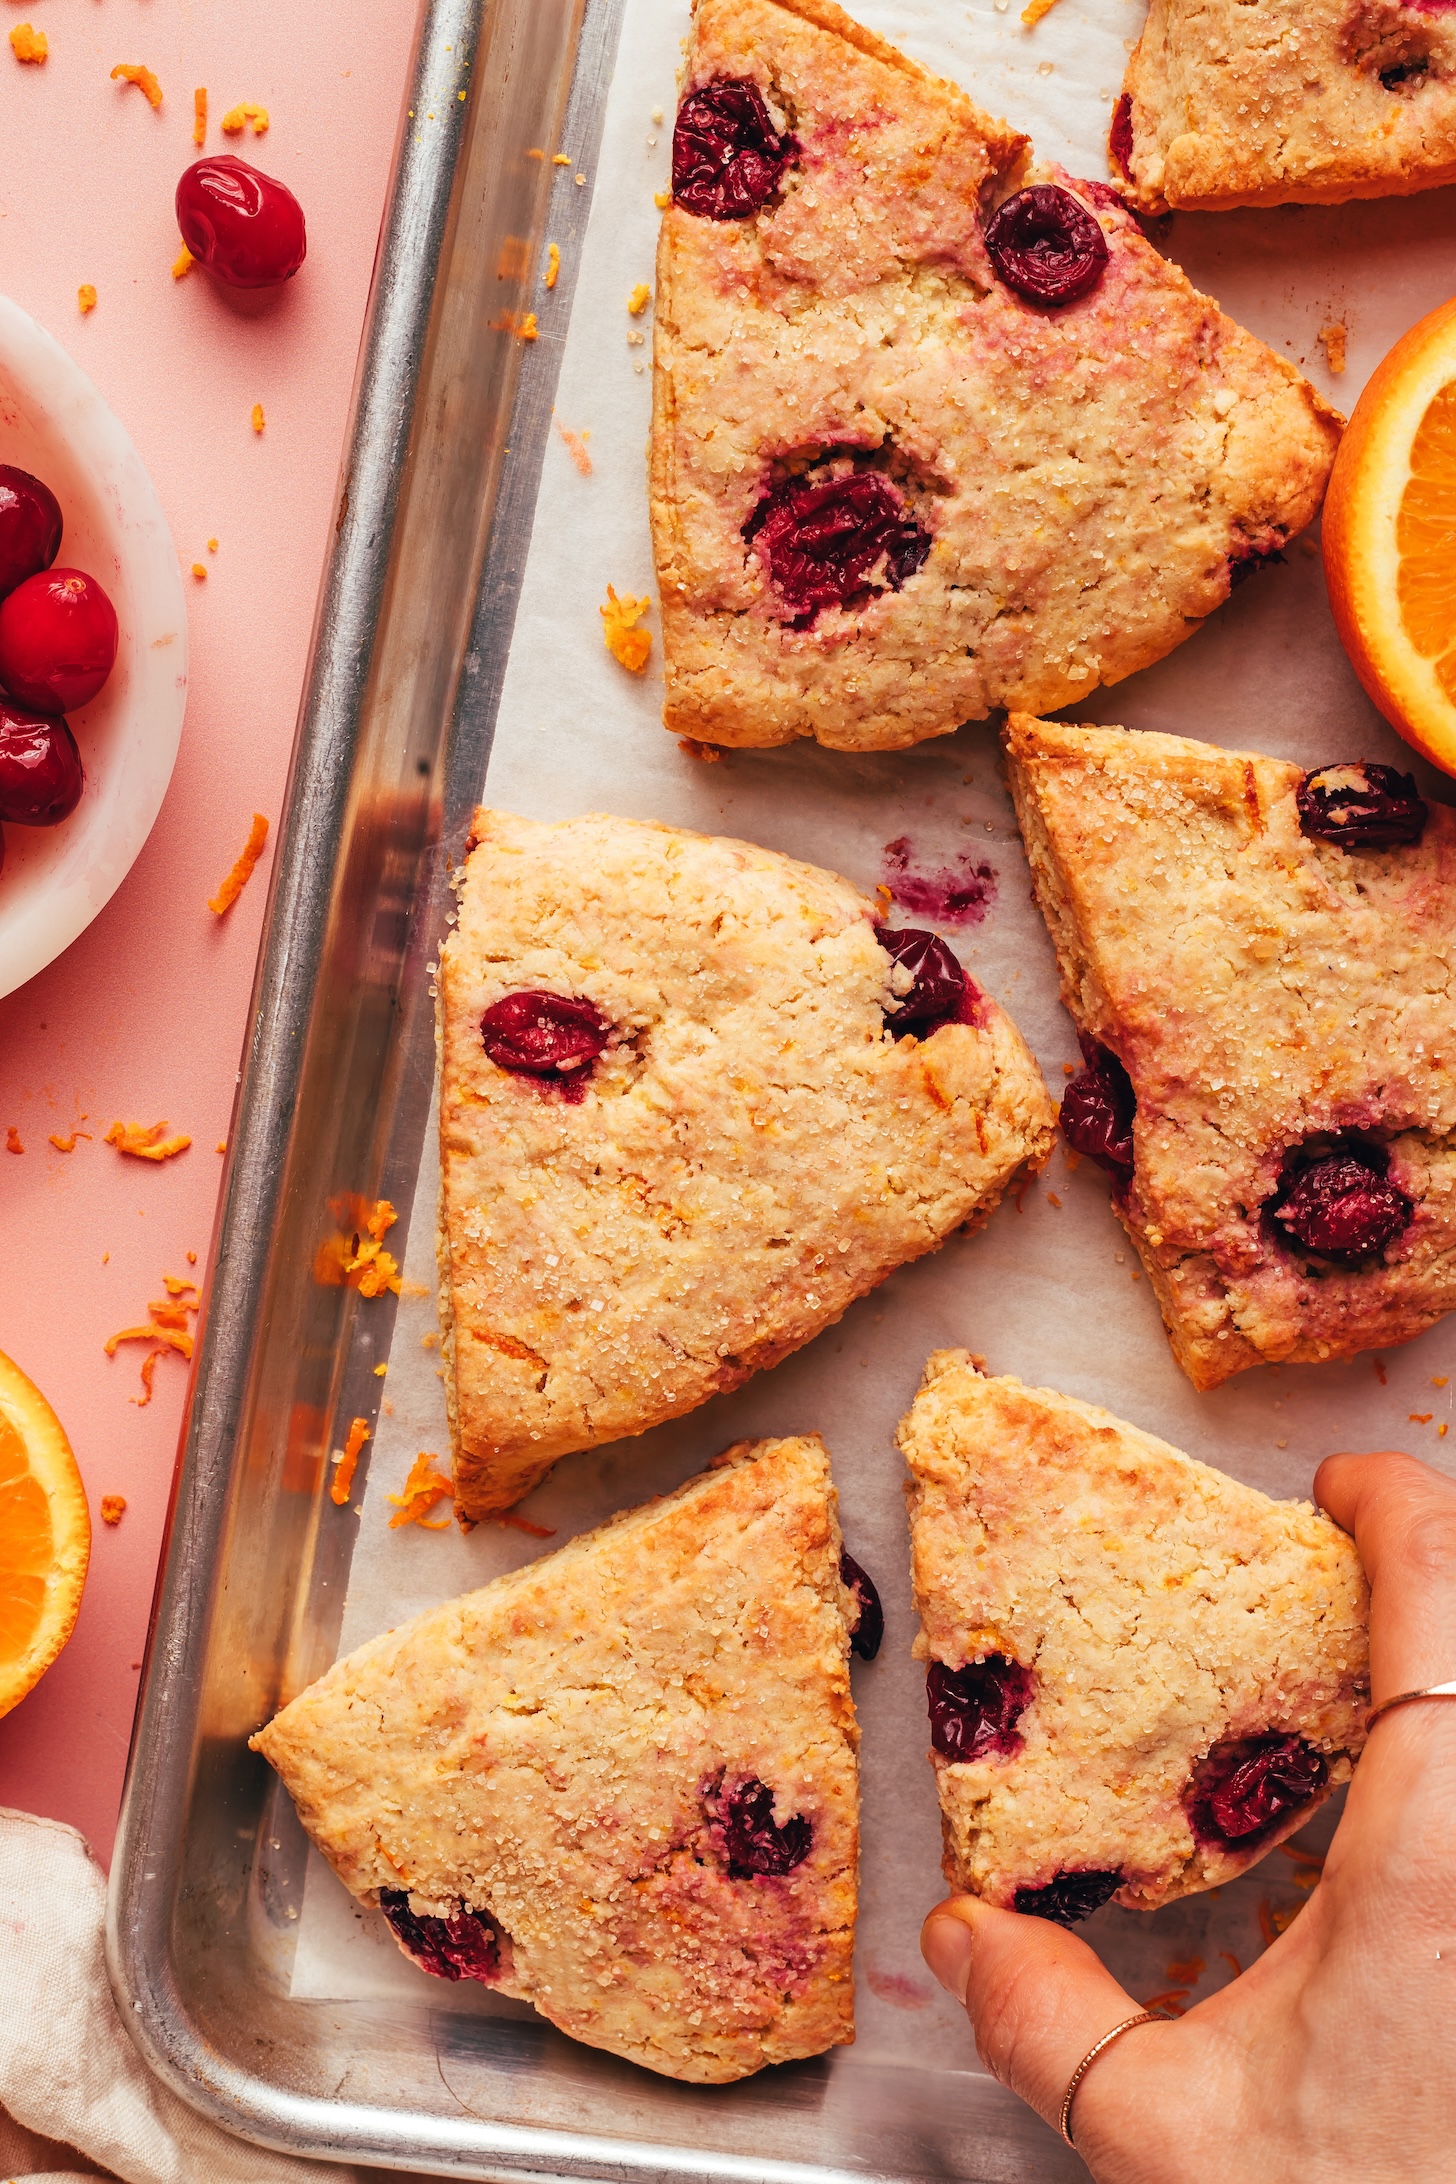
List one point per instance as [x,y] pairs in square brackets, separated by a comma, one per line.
[1343,1206]
[243,226]
[58,639]
[1249,1784]
[974,1710]
[755,1843]
[1070,1898]
[551,1036]
[1361,806]
[40,768]
[869,1630]
[727,156]
[465,1946]
[30,526]
[820,540]
[1046,245]
[1097,1111]
[939,983]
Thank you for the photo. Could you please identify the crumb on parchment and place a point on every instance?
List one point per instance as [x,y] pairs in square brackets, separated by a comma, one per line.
[576,447]
[1333,336]
[145,81]
[242,870]
[620,633]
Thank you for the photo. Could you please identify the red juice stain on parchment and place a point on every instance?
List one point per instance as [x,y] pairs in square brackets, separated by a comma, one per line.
[959,894]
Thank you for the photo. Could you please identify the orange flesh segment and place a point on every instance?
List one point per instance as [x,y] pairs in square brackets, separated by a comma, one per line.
[1425,538]
[27,1544]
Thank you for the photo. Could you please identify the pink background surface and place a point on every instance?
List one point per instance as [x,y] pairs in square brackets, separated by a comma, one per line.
[144,1017]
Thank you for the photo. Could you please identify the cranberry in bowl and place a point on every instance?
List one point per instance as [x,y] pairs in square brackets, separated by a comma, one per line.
[84,784]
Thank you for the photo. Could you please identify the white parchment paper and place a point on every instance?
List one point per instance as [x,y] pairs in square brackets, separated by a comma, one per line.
[1049,1290]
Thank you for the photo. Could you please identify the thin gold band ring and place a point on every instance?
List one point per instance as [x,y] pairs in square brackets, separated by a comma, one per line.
[1404,1698]
[1064,2121]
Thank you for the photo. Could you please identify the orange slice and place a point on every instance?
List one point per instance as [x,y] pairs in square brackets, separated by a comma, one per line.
[45,1535]
[1390,538]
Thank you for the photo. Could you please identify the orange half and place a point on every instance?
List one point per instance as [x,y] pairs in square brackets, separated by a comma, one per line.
[45,1535]
[1390,538]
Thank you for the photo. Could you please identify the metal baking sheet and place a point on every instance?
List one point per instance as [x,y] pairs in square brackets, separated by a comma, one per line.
[459,650]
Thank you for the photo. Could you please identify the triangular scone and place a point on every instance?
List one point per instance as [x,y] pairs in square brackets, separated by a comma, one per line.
[1290,102]
[1279,1002]
[1172,1668]
[619,1784]
[1076,485]
[751,1150]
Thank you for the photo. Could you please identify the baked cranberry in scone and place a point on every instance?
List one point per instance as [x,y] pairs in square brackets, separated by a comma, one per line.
[1256,960]
[935,429]
[1162,1673]
[619,1784]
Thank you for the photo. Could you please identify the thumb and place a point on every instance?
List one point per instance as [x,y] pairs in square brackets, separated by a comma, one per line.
[1037,1997]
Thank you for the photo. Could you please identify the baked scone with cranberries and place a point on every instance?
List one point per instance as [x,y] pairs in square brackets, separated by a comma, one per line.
[1258,964]
[1141,1675]
[1286,102]
[620,1784]
[935,429]
[693,1102]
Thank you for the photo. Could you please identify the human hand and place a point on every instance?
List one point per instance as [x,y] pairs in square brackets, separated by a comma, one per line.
[1333,2059]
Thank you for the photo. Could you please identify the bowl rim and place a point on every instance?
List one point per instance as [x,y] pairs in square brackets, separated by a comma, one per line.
[58,400]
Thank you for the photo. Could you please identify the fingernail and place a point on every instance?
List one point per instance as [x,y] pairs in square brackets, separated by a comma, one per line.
[946,1947]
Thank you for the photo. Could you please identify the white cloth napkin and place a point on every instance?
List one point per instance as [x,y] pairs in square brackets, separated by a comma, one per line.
[68,2069]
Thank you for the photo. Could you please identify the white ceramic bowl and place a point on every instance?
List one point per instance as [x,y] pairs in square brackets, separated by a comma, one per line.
[54,424]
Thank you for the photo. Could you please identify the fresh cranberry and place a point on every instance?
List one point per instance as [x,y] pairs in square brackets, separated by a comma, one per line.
[1046,245]
[464,1946]
[1361,806]
[939,991]
[752,1840]
[1097,1111]
[30,527]
[1070,1898]
[1245,1786]
[40,768]
[869,1629]
[1119,137]
[974,1710]
[727,156]
[242,225]
[819,540]
[57,640]
[553,1036]
[1342,1205]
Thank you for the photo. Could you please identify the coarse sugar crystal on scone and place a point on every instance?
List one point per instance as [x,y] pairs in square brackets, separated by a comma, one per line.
[1286,102]
[694,1101]
[619,1784]
[1258,962]
[935,429]
[1141,1675]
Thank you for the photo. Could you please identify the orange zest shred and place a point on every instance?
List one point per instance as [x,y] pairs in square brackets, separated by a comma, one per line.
[176,1286]
[357,1259]
[199,115]
[145,81]
[623,639]
[639,299]
[553,266]
[175,1338]
[576,449]
[528,329]
[1420,1417]
[183,262]
[524,1524]
[662,199]
[68,1144]
[85,298]
[560,159]
[380,1219]
[346,1461]
[145,1142]
[1233,1963]
[259,420]
[12,1140]
[1175,2002]
[422,1490]
[198,569]
[1187,1974]
[28,44]
[149,1367]
[238,118]
[113,1508]
[251,851]
[1034,10]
